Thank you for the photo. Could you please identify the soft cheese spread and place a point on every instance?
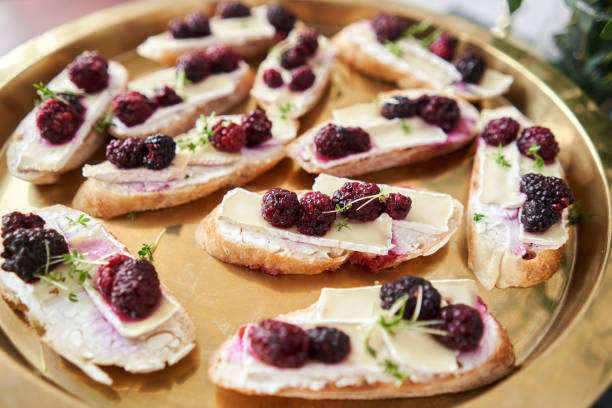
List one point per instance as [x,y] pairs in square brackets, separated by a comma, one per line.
[34,153]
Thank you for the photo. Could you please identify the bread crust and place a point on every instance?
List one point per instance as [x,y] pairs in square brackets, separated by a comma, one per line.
[107,201]
[186,122]
[495,266]
[497,365]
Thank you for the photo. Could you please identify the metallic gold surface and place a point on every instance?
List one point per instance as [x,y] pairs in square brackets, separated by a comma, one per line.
[561,329]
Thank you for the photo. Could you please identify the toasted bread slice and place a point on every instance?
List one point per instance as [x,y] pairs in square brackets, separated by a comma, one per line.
[38,162]
[108,198]
[251,37]
[75,327]
[357,46]
[253,247]
[357,377]
[177,119]
[405,151]
[490,257]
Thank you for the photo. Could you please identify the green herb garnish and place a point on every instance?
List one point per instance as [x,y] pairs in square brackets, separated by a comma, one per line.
[45,93]
[181,81]
[501,159]
[395,48]
[147,250]
[103,124]
[285,109]
[82,220]
[415,29]
[406,128]
[427,41]
[393,369]
[533,152]
[342,224]
[72,297]
[478,217]
[381,196]
[575,214]
[200,138]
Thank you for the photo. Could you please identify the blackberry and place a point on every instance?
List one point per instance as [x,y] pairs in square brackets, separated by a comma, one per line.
[233,9]
[551,191]
[223,58]
[280,207]
[160,151]
[358,140]
[537,216]
[388,27]
[309,38]
[294,57]
[471,67]
[135,292]
[179,28]
[440,111]
[543,137]
[15,220]
[409,286]
[25,251]
[257,126]
[273,78]
[106,274]
[328,344]
[500,131]
[366,209]
[197,24]
[398,206]
[227,137]
[331,141]
[132,108]
[281,18]
[196,65]
[444,46]
[89,71]
[316,214]
[402,107]
[302,78]
[126,153]
[166,96]
[57,121]
[464,325]
[279,344]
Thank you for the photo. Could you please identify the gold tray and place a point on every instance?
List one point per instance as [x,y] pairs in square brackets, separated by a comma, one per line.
[561,329]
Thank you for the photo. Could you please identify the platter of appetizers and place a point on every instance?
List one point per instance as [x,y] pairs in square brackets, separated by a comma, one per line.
[268,204]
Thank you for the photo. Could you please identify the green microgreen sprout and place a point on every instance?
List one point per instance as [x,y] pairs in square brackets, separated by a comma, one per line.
[575,213]
[406,127]
[147,250]
[533,152]
[478,216]
[501,159]
[82,220]
[285,109]
[44,93]
[103,124]
[343,224]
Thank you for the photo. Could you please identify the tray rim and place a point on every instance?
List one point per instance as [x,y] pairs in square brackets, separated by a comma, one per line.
[25,55]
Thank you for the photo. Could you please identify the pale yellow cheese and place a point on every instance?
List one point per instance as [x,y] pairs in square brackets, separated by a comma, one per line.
[242,28]
[555,236]
[362,114]
[549,170]
[500,184]
[417,350]
[348,304]
[458,291]
[493,83]
[244,208]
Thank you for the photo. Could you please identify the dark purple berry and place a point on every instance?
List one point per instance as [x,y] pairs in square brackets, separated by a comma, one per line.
[317,214]
[106,274]
[398,206]
[126,153]
[471,67]
[257,126]
[273,78]
[537,216]
[551,191]
[358,140]
[540,136]
[179,28]
[401,107]
[227,136]
[166,96]
[196,65]
[15,220]
[309,38]
[359,201]
[302,78]
[160,151]
[331,141]
[281,17]
[464,326]
[328,344]
[294,57]
[57,121]
[441,111]
[132,108]
[280,207]
[135,292]
[89,71]
[409,286]
[388,27]
[500,131]
[198,24]
[223,58]
[25,251]
[444,46]
[232,9]
[279,344]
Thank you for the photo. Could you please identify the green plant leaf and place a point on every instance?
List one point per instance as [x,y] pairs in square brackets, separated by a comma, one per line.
[513,5]
[606,32]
